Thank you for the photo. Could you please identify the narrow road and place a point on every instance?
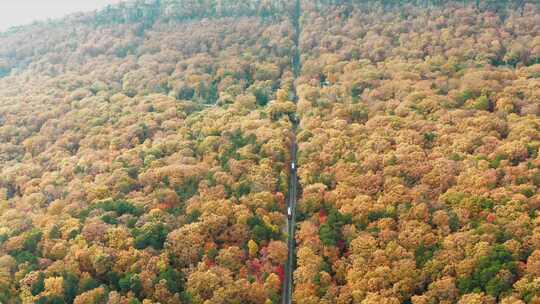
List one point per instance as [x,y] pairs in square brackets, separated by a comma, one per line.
[293,166]
[291,226]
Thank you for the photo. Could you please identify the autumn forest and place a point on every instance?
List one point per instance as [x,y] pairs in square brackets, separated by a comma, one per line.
[148,151]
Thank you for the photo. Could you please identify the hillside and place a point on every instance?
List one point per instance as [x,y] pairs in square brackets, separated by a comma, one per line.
[144,162]
[418,155]
[145,153]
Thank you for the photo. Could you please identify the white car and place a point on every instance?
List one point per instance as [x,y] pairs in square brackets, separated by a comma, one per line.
[289,213]
[293,166]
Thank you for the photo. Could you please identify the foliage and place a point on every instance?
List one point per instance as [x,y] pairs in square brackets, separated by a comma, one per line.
[486,273]
[145,156]
[153,235]
[261,231]
[120,207]
[330,231]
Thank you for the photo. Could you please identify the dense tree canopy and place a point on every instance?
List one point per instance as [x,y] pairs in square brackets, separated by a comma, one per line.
[145,149]
[141,162]
[418,148]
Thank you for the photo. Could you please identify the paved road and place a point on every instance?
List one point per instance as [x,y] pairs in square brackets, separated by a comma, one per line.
[293,179]
[291,226]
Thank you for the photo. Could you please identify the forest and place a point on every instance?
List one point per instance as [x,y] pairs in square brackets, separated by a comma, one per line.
[145,153]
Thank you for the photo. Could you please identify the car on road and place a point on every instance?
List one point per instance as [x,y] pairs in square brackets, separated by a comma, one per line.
[293,166]
[289,213]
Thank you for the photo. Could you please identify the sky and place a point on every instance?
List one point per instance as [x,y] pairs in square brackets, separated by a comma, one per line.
[21,12]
